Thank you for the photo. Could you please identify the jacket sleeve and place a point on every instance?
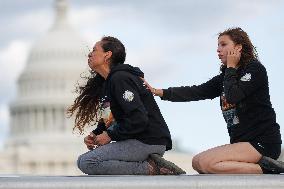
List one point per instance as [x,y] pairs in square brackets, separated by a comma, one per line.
[237,89]
[125,91]
[101,127]
[208,90]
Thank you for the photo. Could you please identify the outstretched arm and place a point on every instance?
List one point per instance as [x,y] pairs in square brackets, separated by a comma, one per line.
[208,90]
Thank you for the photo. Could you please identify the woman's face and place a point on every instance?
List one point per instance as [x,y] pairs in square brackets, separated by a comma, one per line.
[97,57]
[225,44]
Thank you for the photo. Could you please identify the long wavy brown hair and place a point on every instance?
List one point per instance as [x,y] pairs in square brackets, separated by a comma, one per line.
[240,37]
[88,104]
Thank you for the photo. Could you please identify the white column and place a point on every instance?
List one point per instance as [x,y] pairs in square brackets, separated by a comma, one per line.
[40,122]
[28,120]
[36,119]
[26,123]
[13,120]
[65,120]
[49,121]
[16,123]
[22,123]
[44,110]
[61,118]
[56,118]
[53,117]
[32,120]
[19,126]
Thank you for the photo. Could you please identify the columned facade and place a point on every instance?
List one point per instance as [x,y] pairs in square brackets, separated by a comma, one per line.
[41,139]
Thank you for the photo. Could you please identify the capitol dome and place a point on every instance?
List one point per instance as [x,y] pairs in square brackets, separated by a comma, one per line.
[41,139]
[61,44]
[53,62]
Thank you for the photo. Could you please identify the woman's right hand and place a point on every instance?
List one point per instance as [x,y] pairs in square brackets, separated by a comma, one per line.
[89,141]
[154,91]
[233,57]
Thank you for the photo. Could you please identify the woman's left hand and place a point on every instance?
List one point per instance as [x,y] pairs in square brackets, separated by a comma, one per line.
[102,139]
[233,58]
[156,92]
[148,86]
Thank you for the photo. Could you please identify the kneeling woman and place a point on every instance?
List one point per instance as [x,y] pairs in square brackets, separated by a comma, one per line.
[140,129]
[243,89]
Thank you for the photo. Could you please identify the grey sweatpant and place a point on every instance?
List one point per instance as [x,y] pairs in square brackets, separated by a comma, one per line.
[126,157]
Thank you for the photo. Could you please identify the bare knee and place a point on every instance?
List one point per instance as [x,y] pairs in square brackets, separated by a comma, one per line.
[208,164]
[195,163]
[200,163]
[203,164]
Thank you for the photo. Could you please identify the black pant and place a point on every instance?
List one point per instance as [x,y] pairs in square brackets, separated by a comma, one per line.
[272,150]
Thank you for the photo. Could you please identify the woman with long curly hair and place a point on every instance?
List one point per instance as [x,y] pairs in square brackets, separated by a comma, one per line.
[242,85]
[140,131]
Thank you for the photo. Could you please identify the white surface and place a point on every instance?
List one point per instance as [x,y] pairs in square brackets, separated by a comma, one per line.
[146,182]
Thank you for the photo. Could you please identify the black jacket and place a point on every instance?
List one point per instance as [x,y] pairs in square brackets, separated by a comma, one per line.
[134,108]
[247,88]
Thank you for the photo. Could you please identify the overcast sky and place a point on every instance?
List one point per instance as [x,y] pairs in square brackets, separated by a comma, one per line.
[173,42]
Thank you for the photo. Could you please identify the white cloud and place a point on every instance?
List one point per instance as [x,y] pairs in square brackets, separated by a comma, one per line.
[39,18]
[12,61]
[27,25]
[87,16]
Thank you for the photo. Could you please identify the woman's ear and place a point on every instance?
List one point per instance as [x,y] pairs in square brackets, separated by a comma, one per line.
[108,55]
[239,47]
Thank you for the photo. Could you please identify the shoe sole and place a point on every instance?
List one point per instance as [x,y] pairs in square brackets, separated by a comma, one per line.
[160,161]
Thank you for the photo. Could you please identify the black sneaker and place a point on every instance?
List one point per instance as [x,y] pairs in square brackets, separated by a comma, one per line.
[161,162]
[271,166]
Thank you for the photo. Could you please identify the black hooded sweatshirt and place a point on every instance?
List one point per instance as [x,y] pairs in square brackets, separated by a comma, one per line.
[134,108]
[245,91]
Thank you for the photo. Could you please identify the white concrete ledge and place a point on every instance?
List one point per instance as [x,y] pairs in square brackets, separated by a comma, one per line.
[144,182]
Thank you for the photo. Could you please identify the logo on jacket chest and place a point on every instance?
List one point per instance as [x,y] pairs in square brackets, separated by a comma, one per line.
[246,77]
[128,96]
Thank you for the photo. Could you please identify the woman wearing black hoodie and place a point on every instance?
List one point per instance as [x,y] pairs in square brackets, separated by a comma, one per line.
[242,86]
[139,129]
